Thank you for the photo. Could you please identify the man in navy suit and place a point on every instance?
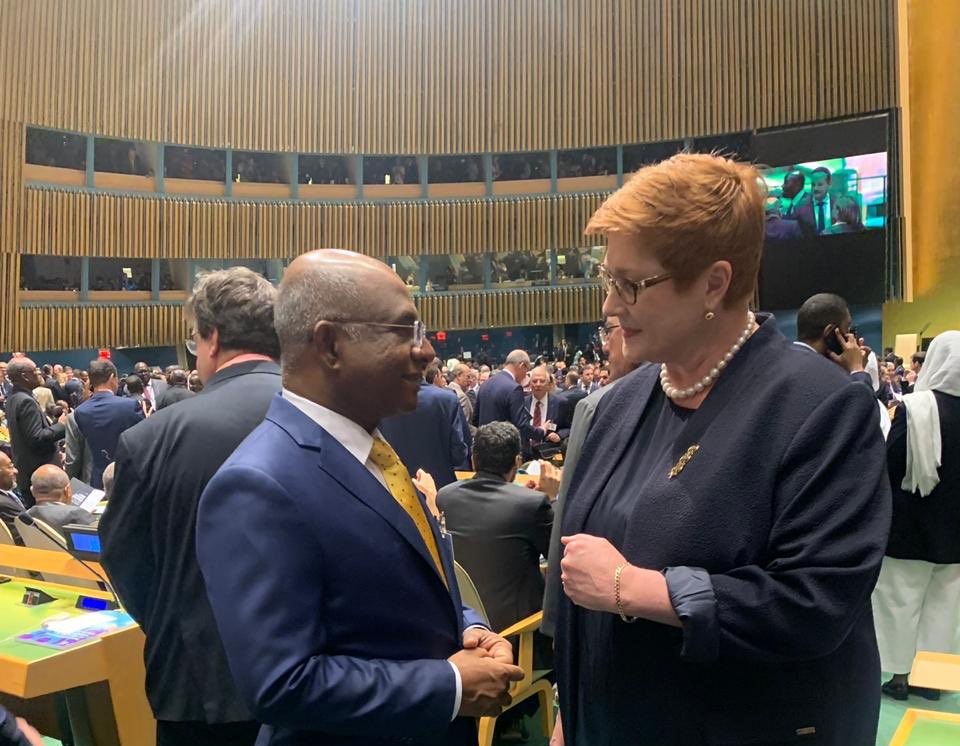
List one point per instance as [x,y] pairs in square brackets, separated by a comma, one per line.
[94,427]
[543,407]
[500,399]
[433,437]
[331,584]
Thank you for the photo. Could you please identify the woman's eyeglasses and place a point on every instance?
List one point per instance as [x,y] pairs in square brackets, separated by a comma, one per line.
[628,290]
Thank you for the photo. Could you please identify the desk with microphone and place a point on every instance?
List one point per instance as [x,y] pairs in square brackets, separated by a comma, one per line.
[83,544]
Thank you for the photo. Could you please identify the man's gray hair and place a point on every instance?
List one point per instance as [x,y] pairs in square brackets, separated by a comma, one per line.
[239,304]
[517,357]
[311,297]
[49,481]
[18,366]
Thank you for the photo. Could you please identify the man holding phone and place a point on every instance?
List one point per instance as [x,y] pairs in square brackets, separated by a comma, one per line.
[824,325]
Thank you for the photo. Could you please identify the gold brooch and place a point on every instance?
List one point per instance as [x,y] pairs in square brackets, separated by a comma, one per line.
[684,460]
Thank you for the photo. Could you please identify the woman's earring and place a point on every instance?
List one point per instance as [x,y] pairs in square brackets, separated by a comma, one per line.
[709,315]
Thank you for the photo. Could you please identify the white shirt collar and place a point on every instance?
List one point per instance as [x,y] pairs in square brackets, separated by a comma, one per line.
[804,344]
[348,433]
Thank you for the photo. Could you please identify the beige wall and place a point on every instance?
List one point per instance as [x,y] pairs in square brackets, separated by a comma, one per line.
[934,106]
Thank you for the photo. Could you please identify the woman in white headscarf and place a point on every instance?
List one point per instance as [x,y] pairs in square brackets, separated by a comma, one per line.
[916,603]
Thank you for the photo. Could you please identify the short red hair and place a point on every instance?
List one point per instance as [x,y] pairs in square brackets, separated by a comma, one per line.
[693,209]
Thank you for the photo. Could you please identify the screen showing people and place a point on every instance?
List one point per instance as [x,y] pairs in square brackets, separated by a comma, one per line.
[827,197]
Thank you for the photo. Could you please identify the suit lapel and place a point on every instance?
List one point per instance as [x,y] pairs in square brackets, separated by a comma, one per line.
[617,417]
[353,476]
[358,481]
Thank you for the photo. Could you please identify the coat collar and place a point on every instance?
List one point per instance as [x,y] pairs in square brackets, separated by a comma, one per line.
[232,371]
[354,477]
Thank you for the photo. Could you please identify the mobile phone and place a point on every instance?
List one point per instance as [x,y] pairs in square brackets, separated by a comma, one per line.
[833,344]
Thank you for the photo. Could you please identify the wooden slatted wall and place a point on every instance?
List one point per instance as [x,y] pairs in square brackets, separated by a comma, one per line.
[70,223]
[434,76]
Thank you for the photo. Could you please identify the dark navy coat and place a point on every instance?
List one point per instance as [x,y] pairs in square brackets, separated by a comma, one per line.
[785,510]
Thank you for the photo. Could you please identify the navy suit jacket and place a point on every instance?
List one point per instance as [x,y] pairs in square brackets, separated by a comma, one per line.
[785,510]
[335,621]
[102,419]
[434,437]
[500,399]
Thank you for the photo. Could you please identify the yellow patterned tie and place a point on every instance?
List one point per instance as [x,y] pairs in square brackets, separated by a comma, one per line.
[400,486]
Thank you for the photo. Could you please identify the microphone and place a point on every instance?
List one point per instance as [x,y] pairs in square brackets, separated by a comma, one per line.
[58,540]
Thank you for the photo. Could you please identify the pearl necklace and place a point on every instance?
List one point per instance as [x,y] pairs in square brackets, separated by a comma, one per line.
[674,393]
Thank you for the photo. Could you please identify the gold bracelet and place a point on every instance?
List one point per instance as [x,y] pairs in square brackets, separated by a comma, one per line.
[616,593]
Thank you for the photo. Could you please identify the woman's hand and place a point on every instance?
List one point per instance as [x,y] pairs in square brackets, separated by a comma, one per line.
[557,738]
[424,482]
[587,571]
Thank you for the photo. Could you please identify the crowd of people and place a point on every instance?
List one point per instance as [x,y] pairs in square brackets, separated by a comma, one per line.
[739,537]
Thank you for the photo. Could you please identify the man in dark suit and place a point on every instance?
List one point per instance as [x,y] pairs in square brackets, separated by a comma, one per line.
[11,505]
[148,530]
[176,389]
[34,441]
[500,399]
[94,428]
[332,586]
[543,407]
[499,528]
[433,437]
[153,388]
[813,211]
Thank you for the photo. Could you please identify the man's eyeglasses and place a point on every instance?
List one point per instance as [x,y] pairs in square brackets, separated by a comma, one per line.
[191,343]
[418,327]
[628,290]
[604,333]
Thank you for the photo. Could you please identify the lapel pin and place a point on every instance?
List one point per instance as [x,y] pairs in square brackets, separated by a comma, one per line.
[684,460]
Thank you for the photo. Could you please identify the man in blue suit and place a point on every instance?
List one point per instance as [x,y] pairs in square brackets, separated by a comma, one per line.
[94,428]
[500,399]
[332,586]
[434,437]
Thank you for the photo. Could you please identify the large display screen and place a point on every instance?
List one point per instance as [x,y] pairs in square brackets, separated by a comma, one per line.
[825,230]
[826,197]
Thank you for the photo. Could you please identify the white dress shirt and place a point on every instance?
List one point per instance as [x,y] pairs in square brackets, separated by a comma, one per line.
[358,443]
[544,402]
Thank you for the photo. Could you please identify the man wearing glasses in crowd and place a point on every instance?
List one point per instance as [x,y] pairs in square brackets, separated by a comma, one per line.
[332,584]
[148,529]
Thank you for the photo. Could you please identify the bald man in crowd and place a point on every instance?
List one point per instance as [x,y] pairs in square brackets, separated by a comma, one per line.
[176,390]
[333,589]
[500,399]
[51,490]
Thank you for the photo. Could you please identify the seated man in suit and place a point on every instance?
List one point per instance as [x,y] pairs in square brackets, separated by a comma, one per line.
[51,490]
[11,505]
[500,399]
[434,436]
[332,588]
[94,428]
[544,406]
[499,528]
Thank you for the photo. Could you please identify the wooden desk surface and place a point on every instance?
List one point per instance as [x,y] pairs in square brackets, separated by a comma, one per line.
[29,671]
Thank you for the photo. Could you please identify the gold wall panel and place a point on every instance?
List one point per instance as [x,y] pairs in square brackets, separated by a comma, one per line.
[73,223]
[434,76]
[75,327]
